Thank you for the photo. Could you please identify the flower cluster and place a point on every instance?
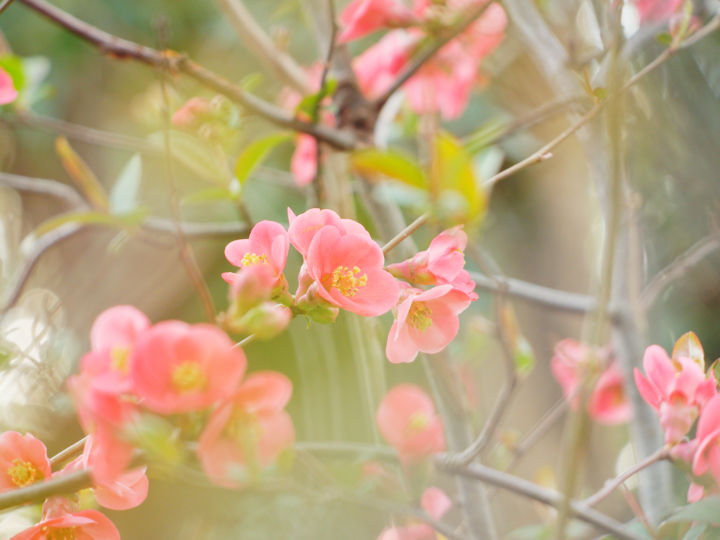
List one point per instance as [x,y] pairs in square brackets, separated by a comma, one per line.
[680,390]
[574,364]
[343,267]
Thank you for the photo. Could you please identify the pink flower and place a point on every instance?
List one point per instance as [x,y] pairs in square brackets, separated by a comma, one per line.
[379,65]
[362,17]
[249,430]
[111,338]
[192,113]
[8,93]
[443,262]
[23,461]
[177,367]
[126,491]
[677,388]
[573,362]
[426,321]
[657,10]
[407,421]
[267,244]
[303,228]
[707,455]
[348,272]
[85,525]
[303,164]
[436,503]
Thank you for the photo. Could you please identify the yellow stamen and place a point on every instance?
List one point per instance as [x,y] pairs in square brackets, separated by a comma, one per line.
[420,316]
[418,421]
[119,359]
[345,280]
[23,473]
[189,377]
[253,258]
[66,533]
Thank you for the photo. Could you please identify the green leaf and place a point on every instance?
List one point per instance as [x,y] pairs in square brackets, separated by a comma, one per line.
[600,93]
[123,196]
[688,345]
[389,163]
[665,38]
[255,153]
[13,65]
[82,175]
[130,219]
[706,510]
[452,170]
[198,155]
[523,357]
[310,104]
[487,134]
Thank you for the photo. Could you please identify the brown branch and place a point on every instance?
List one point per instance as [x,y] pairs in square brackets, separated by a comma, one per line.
[177,63]
[407,231]
[70,452]
[5,4]
[532,491]
[67,483]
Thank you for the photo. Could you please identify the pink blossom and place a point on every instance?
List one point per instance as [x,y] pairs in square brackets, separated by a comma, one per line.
[8,93]
[573,362]
[85,525]
[249,430]
[677,388]
[436,503]
[303,228]
[426,321]
[23,460]
[128,490]
[192,113]
[267,244]
[362,17]
[303,164]
[348,272]
[707,455]
[443,262]
[111,338]
[178,367]
[657,10]
[251,286]
[407,421]
[377,68]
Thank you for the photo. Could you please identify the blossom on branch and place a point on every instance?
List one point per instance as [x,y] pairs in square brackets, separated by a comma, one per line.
[23,461]
[267,244]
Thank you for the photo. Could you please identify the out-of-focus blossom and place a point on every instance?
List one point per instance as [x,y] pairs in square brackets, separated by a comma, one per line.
[707,455]
[362,17]
[8,93]
[677,388]
[348,272]
[267,244]
[177,367]
[573,362]
[657,10]
[303,164]
[436,503]
[192,113]
[85,525]
[407,420]
[249,430]
[426,321]
[442,263]
[23,461]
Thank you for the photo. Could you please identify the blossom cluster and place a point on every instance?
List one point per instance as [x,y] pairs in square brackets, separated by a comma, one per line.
[344,268]
[681,392]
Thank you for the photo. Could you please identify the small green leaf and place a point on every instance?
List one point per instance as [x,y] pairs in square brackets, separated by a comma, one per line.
[523,357]
[310,104]
[82,175]
[254,154]
[665,38]
[600,93]
[688,345]
[13,65]
[487,134]
[706,510]
[123,196]
[389,163]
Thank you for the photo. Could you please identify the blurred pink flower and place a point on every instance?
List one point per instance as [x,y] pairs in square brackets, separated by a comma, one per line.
[23,461]
[436,503]
[85,525]
[657,10]
[348,272]
[426,321]
[303,228]
[572,362]
[249,430]
[303,164]
[362,17]
[177,367]
[677,388]
[442,263]
[8,93]
[267,244]
[407,420]
[192,113]
[707,455]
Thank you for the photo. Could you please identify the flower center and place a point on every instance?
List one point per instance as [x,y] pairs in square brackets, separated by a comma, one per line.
[347,281]
[119,359]
[418,421]
[188,377]
[23,473]
[253,258]
[66,533]
[243,428]
[420,316]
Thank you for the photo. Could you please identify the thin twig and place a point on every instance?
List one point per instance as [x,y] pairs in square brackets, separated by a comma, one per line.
[5,4]
[177,63]
[678,268]
[59,485]
[70,452]
[612,485]
[532,491]
[407,231]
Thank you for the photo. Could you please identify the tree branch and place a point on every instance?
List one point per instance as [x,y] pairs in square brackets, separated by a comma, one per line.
[177,63]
